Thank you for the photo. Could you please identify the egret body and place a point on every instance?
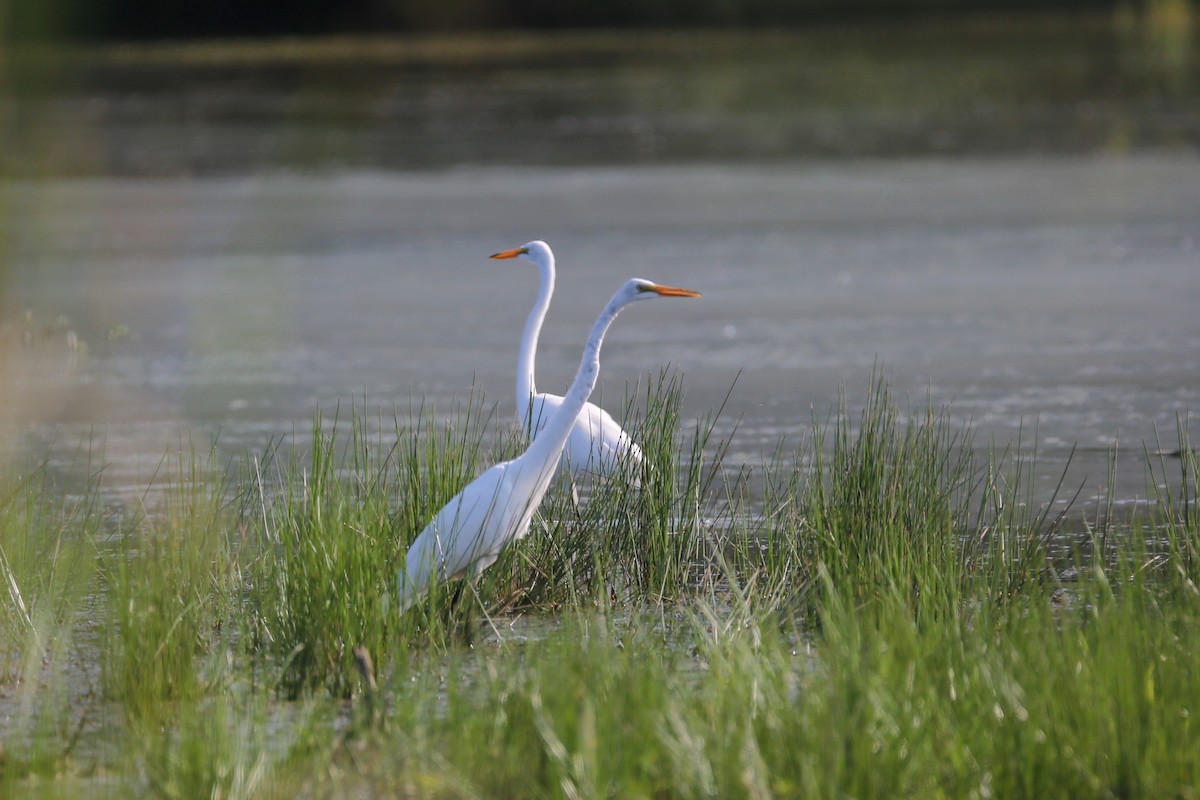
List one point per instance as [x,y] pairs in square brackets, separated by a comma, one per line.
[467,535]
[596,442]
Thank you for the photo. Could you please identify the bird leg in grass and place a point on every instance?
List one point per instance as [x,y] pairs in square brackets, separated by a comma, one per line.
[574,497]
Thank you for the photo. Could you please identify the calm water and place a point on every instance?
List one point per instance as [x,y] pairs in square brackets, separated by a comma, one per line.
[1007,221]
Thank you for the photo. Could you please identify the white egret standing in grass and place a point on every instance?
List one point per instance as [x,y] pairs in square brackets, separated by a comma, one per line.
[596,442]
[467,535]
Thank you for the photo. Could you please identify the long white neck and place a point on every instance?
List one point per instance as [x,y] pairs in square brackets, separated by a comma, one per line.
[550,441]
[526,382]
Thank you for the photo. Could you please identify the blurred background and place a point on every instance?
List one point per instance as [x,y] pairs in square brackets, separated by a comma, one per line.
[217,217]
[129,19]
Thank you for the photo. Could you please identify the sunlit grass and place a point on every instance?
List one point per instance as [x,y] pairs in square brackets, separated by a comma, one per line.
[1092,702]
[212,748]
[47,570]
[1175,512]
[46,559]
[327,548]
[871,613]
[172,590]
[330,529]
[637,537]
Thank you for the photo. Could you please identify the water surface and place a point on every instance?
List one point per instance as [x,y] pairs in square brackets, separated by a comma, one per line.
[1001,220]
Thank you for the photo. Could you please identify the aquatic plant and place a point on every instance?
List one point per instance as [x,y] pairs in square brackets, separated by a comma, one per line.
[799,629]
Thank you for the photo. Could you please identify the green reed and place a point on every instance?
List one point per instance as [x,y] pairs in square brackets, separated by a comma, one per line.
[333,526]
[1175,512]
[883,501]
[1088,700]
[215,747]
[636,537]
[891,503]
[172,587]
[47,572]
[873,614]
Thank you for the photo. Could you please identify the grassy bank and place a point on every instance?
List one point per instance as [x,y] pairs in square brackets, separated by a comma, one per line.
[874,613]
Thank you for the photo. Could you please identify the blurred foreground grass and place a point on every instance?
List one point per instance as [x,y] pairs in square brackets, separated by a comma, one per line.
[872,615]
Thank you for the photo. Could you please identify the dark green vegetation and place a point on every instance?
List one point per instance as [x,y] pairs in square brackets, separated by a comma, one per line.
[177,19]
[877,613]
[1104,83]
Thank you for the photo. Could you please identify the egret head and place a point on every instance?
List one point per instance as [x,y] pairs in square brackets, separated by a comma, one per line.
[536,251]
[641,289]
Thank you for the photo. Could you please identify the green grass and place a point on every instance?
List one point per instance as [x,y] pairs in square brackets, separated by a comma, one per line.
[1088,703]
[872,614]
[214,748]
[47,564]
[321,582]
[1174,511]
[330,529]
[45,558]
[885,503]
[171,586]
[625,545]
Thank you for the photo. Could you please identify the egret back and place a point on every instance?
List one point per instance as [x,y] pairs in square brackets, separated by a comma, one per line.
[470,531]
[596,444]
[472,527]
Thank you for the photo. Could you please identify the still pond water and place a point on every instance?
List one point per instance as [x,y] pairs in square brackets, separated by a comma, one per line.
[1001,219]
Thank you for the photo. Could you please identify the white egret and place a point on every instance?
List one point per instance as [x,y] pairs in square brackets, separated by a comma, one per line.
[469,532]
[596,442]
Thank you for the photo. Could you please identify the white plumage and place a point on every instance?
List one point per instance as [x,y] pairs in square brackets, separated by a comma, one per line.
[596,443]
[468,533]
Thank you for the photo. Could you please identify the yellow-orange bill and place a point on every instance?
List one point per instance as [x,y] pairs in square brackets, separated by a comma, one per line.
[671,291]
[516,251]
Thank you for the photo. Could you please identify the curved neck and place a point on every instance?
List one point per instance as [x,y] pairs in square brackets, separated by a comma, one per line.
[526,382]
[550,441]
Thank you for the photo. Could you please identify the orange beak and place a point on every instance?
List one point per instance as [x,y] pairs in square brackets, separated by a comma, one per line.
[671,291]
[514,253]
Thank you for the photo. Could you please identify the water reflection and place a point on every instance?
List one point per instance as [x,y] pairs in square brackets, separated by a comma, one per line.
[1047,85]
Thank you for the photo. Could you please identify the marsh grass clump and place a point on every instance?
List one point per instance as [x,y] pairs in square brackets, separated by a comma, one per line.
[637,537]
[334,529]
[49,527]
[677,526]
[172,587]
[895,503]
[1175,490]
[1093,700]
[216,747]
[1006,541]
[323,577]
[47,559]
[884,502]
